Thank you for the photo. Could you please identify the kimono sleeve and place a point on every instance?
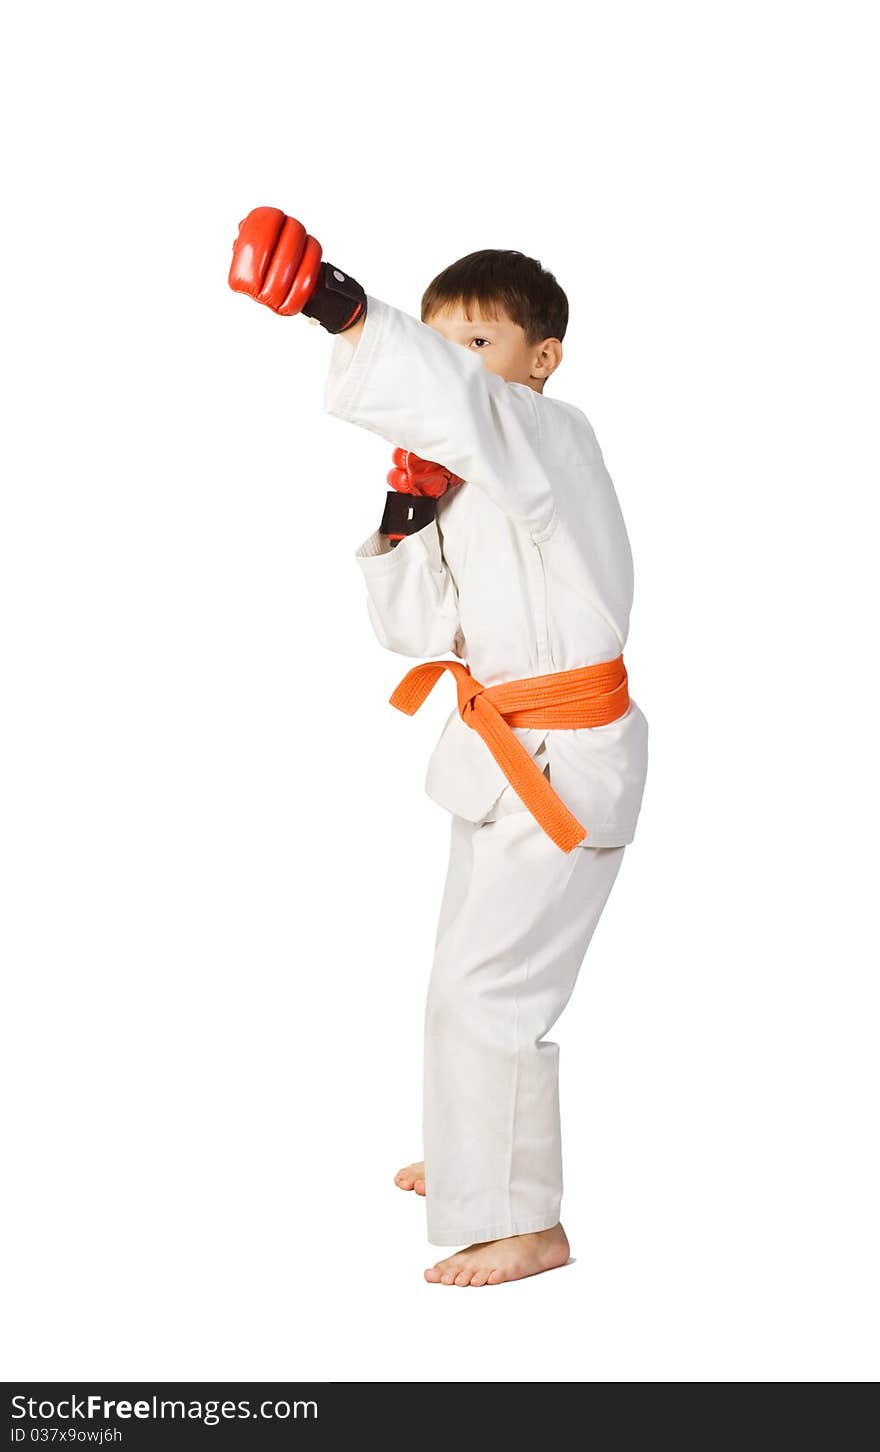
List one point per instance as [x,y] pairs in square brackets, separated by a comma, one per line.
[404,381]
[411,596]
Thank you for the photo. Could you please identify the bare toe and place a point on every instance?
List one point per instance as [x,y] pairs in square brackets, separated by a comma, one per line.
[411,1177]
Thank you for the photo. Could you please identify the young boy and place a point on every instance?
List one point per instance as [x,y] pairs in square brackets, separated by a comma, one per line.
[503,544]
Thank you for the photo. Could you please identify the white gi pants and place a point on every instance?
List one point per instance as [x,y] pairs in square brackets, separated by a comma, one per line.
[515,922]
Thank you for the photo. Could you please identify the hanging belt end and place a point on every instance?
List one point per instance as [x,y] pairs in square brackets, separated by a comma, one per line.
[404,701]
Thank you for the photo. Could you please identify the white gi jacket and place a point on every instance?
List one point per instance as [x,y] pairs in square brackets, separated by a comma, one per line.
[526,570]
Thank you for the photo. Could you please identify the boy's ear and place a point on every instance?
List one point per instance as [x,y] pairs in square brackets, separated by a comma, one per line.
[547,358]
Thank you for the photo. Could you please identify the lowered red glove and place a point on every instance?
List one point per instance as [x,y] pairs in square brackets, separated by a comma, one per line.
[412,475]
[416,477]
[277,263]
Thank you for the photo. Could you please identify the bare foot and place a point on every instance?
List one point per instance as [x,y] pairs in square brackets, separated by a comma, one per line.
[412,1178]
[494,1261]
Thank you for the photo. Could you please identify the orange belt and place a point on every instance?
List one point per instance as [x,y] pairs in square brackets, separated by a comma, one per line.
[589,696]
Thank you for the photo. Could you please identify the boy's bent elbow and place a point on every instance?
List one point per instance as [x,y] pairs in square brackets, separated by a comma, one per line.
[420,639]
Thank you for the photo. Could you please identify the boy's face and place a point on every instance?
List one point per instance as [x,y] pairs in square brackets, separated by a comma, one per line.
[501,343]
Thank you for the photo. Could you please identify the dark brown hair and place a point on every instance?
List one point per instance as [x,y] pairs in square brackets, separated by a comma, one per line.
[510,281]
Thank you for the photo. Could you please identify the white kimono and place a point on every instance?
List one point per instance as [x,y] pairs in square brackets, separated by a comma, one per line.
[527,569]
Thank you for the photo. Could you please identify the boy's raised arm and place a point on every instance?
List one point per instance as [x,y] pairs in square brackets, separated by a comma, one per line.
[404,381]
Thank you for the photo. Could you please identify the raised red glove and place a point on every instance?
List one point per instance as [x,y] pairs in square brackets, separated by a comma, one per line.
[412,475]
[276,262]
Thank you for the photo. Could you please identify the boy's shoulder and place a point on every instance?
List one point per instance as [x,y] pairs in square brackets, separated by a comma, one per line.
[547,400]
[556,411]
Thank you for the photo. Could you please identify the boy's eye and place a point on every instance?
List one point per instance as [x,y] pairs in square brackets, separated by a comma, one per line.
[477,341]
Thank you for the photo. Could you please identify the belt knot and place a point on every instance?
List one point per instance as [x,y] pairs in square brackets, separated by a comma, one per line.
[584,697]
[468,690]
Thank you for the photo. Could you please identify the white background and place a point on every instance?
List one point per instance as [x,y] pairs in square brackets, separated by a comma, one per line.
[220,875]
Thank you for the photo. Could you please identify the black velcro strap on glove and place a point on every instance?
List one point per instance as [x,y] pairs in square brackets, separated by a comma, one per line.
[406,513]
[337,302]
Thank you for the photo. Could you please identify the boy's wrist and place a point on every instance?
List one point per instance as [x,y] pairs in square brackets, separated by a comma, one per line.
[352,334]
[338,302]
[406,514]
